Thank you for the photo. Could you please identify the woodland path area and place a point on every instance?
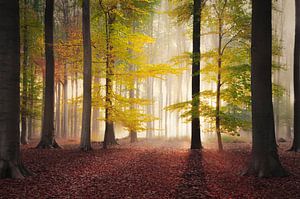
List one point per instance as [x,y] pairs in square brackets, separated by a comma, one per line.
[160,169]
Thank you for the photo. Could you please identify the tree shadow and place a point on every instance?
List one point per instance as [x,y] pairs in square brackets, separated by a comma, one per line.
[193,183]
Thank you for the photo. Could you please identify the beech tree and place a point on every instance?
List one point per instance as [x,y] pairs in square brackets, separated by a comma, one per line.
[10,161]
[296,141]
[265,161]
[85,143]
[47,137]
[196,138]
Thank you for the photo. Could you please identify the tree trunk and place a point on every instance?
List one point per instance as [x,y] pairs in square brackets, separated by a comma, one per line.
[96,112]
[218,98]
[31,103]
[57,117]
[64,132]
[196,137]
[11,165]
[296,141]
[72,109]
[47,139]
[75,105]
[109,133]
[85,142]
[265,161]
[24,101]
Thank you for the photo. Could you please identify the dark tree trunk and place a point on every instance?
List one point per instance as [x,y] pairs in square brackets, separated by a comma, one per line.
[24,101]
[10,161]
[48,136]
[296,141]
[196,137]
[218,99]
[109,133]
[85,142]
[265,161]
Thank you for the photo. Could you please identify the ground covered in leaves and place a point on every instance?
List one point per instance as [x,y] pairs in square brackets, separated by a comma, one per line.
[161,169]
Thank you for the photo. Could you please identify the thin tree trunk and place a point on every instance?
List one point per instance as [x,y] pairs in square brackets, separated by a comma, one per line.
[218,98]
[85,142]
[265,161]
[47,139]
[196,137]
[64,132]
[76,105]
[57,117]
[71,115]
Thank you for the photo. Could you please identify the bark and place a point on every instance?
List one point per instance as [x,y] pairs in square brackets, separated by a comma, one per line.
[57,117]
[296,140]
[133,133]
[24,101]
[72,109]
[218,98]
[96,112]
[196,137]
[265,161]
[31,103]
[75,105]
[64,132]
[109,133]
[11,165]
[48,135]
[85,142]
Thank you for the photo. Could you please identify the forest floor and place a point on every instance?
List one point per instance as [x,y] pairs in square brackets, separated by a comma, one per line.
[155,169]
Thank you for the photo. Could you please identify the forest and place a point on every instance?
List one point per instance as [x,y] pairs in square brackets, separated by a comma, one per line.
[149,99]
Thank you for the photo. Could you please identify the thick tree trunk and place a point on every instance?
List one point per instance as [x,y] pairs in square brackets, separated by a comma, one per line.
[296,141]
[10,161]
[265,161]
[196,137]
[109,133]
[85,142]
[47,139]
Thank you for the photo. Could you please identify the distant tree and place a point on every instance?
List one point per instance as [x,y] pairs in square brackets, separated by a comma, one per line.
[265,161]
[85,143]
[24,100]
[48,135]
[10,163]
[296,141]
[196,138]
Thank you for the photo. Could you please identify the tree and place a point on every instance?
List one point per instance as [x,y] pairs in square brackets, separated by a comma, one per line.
[24,101]
[196,138]
[11,165]
[265,161]
[85,143]
[296,141]
[48,136]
